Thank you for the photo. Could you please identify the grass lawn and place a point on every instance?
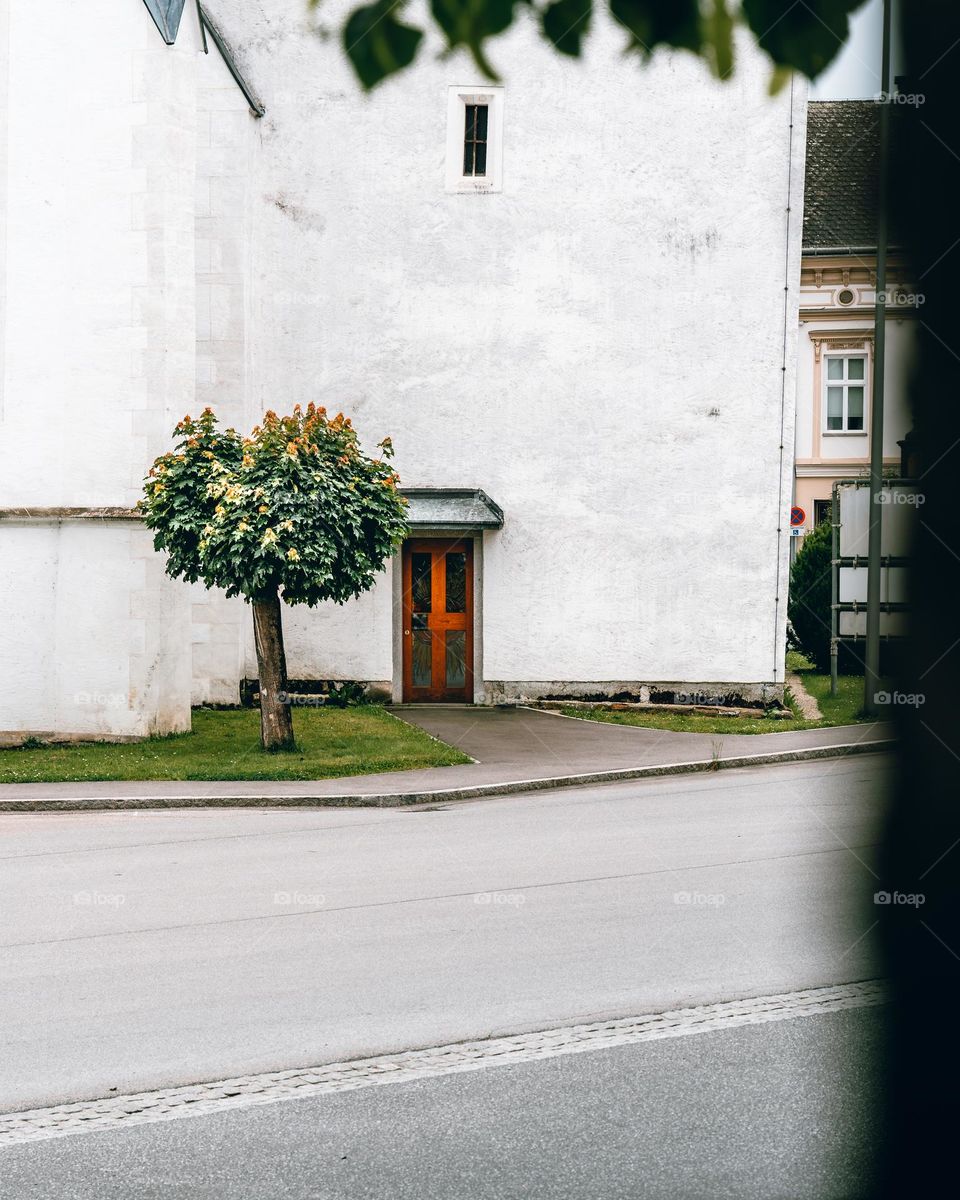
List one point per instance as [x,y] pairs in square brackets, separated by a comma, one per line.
[226,745]
[842,709]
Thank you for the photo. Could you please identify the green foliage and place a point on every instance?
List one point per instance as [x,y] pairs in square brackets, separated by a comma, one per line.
[802,36]
[809,606]
[566,23]
[469,22]
[377,43]
[345,694]
[805,36]
[652,23]
[296,507]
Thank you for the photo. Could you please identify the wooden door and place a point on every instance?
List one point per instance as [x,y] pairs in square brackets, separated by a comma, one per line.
[438,620]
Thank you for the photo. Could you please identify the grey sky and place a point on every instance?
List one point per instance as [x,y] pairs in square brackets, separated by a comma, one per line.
[855,73]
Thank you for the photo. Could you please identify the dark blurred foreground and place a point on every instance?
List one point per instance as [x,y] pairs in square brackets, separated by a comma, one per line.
[922,843]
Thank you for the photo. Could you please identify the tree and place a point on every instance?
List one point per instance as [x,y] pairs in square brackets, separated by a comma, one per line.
[804,37]
[809,604]
[296,508]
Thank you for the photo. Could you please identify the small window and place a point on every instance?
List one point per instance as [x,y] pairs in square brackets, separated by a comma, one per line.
[475,139]
[821,511]
[846,394]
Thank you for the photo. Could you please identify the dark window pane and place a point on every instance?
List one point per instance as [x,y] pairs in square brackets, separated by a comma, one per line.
[480,167]
[422,658]
[855,423]
[468,158]
[482,122]
[456,658]
[421,583]
[471,122]
[456,582]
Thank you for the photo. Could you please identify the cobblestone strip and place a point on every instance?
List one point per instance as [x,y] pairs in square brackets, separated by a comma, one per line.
[116,1112]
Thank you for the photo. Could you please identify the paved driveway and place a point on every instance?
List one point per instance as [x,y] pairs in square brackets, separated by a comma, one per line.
[509,745]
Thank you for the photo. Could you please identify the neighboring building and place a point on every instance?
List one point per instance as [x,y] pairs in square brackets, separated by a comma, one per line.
[837,299]
[570,300]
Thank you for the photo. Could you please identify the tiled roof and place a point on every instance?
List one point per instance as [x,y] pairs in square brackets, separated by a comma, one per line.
[841,190]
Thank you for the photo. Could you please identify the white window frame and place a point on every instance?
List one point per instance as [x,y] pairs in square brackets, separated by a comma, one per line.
[458,97]
[845,384]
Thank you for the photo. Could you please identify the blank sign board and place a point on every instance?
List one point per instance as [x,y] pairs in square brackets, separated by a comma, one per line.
[899,507]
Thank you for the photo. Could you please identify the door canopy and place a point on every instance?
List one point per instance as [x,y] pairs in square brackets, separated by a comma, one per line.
[166,15]
[451,508]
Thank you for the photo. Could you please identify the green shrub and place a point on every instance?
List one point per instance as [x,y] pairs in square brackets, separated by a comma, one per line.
[809,606]
[345,694]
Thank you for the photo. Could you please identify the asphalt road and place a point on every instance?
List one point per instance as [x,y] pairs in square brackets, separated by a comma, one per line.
[780,1111]
[153,948]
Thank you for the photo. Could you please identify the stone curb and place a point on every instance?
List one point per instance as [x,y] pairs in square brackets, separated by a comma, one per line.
[439,796]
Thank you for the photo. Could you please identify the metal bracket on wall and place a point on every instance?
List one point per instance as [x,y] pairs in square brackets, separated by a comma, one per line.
[207,26]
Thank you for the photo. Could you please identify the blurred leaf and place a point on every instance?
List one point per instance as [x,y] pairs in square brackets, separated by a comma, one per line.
[779,78]
[566,22]
[468,22]
[674,22]
[718,39]
[807,36]
[377,44]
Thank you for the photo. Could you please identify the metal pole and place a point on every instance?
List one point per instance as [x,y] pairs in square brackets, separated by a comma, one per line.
[871,675]
[834,587]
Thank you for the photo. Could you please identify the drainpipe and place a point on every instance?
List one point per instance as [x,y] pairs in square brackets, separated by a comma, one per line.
[777,663]
[871,674]
[834,587]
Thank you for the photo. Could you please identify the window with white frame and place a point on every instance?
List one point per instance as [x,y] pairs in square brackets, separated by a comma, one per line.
[845,385]
[474,139]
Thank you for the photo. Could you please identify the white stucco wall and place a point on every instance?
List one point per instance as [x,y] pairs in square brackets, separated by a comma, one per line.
[99,358]
[600,345]
[228,138]
[561,344]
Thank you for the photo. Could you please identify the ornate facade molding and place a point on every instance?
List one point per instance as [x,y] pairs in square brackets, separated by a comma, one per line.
[840,339]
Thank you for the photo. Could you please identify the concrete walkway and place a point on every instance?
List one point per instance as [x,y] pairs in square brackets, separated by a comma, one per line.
[515,750]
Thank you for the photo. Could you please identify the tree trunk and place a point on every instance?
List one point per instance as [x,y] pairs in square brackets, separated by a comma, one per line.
[276,720]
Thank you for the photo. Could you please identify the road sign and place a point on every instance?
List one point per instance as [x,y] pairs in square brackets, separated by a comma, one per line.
[797,515]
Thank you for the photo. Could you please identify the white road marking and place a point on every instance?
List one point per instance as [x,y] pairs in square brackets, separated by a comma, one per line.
[167,1104]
